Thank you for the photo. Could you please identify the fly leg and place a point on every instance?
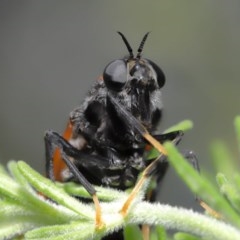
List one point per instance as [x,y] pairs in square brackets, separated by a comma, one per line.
[155,141]
[147,173]
[191,157]
[53,141]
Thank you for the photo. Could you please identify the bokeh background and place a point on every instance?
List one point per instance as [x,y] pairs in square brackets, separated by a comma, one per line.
[51,52]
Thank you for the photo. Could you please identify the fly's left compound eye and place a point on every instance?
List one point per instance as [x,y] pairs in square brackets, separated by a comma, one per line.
[115,75]
[159,73]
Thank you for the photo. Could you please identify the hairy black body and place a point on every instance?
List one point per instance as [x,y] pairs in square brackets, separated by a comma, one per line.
[108,135]
[104,146]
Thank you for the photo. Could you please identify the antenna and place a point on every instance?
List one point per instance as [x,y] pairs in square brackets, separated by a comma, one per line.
[142,45]
[129,48]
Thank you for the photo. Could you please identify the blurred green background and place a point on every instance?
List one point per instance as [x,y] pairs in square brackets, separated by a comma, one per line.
[51,52]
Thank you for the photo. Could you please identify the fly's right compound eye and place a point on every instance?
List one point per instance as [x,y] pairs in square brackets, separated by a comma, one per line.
[159,73]
[115,75]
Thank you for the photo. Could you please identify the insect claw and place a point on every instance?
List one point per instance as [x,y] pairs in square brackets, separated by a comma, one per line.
[99,224]
[155,143]
[209,210]
[132,196]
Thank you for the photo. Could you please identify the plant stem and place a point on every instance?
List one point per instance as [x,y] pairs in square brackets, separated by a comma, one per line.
[182,220]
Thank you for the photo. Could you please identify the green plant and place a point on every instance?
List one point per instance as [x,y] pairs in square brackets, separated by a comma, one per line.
[25,212]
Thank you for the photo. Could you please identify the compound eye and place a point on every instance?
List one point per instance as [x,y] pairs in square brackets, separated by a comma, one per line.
[159,73]
[115,75]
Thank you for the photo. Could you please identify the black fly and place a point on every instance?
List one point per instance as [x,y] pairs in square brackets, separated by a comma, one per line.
[107,134]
